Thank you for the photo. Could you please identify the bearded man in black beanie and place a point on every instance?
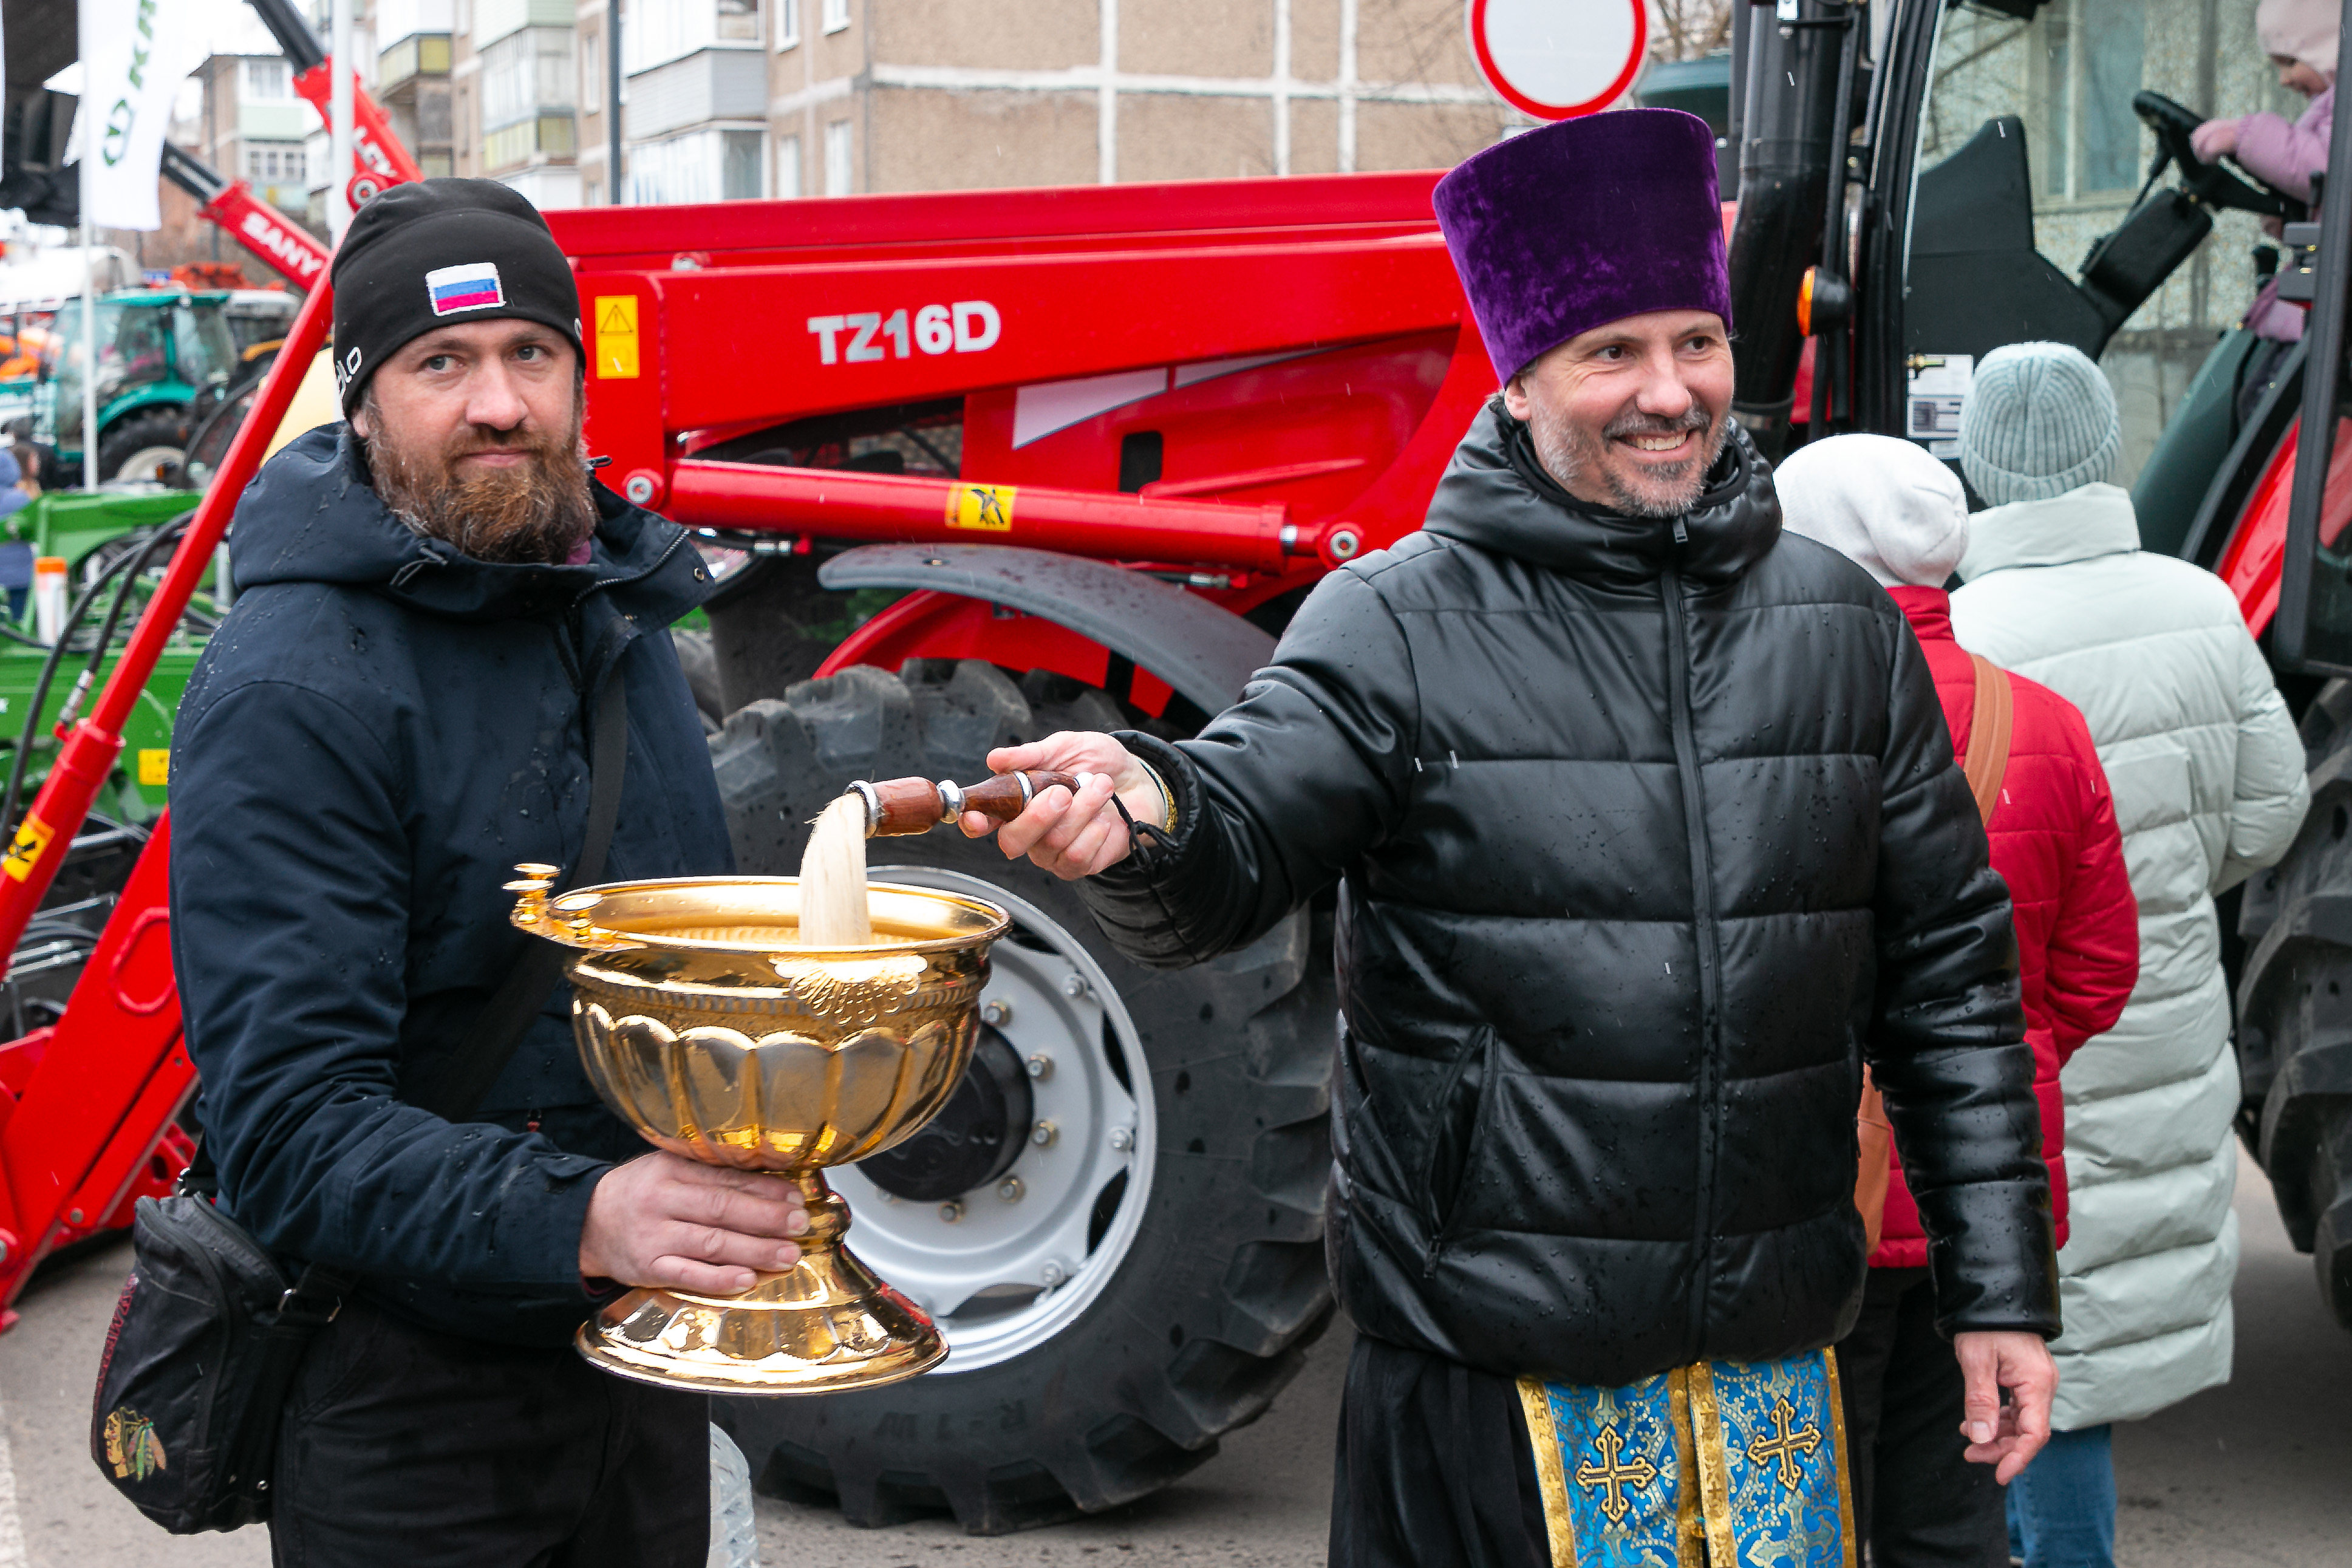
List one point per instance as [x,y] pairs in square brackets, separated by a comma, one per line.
[438,606]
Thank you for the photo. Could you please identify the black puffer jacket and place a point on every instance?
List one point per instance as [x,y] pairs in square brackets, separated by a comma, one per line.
[1650,835]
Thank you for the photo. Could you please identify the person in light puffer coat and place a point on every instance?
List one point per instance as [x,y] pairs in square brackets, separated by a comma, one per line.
[1901,516]
[2208,778]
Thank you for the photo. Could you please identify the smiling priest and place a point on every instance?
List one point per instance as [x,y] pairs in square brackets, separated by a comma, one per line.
[1648,836]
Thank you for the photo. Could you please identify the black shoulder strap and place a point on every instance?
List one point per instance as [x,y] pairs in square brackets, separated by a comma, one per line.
[457,1088]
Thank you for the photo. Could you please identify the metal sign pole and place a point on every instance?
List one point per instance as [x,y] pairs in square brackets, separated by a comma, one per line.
[89,340]
[339,121]
[86,132]
[612,100]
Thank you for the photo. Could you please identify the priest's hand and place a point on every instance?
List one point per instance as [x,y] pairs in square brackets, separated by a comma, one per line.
[2005,1437]
[664,1220]
[1069,835]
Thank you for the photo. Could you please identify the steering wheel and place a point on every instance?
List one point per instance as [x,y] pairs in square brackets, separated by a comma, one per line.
[2210,182]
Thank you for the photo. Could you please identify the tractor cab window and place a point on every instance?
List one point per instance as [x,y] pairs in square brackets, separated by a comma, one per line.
[2035,214]
[131,344]
[201,341]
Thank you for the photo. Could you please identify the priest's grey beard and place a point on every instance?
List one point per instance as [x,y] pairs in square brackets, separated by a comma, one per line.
[535,511]
[1567,452]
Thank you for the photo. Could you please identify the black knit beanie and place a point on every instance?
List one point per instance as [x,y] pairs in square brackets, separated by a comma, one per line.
[435,252]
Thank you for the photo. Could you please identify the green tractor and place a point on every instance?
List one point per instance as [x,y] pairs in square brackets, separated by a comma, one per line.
[163,355]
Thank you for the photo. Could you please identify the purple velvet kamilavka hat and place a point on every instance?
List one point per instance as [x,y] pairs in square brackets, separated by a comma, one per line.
[1575,225]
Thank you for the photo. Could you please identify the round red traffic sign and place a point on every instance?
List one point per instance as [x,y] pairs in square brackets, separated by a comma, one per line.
[1559,58]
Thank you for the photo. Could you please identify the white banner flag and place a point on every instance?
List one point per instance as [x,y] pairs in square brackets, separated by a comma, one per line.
[135,54]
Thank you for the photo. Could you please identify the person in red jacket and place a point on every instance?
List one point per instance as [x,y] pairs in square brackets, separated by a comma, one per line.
[1902,516]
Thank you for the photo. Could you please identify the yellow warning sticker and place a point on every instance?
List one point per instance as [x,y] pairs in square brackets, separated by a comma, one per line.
[985,507]
[26,852]
[616,337]
[154,766]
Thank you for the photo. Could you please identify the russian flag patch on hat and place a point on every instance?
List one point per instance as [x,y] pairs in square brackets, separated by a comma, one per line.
[472,288]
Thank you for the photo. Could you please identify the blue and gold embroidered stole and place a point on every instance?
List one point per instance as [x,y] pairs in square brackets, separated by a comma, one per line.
[1721,1463]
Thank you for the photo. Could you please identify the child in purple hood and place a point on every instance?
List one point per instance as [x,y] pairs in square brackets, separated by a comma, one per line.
[2300,36]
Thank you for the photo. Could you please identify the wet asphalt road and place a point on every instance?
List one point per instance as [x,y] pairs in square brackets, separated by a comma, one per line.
[2255,1474]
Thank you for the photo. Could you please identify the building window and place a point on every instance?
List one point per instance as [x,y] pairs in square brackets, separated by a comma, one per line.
[267,164]
[788,24]
[836,158]
[788,168]
[655,34]
[2092,61]
[525,72]
[716,164]
[837,14]
[738,167]
[592,73]
[591,191]
[267,81]
[2069,75]
[739,21]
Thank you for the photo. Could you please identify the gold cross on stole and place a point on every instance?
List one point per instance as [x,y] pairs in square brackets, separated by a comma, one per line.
[1612,1477]
[1784,1444]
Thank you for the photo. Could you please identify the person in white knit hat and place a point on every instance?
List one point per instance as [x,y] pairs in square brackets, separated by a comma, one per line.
[2208,786]
[1900,515]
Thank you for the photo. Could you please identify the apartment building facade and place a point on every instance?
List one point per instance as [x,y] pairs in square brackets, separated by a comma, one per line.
[727,98]
[249,124]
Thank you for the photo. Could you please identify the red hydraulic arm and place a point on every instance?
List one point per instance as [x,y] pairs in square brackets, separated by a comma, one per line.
[79,1126]
[377,155]
[87,1106]
[276,239]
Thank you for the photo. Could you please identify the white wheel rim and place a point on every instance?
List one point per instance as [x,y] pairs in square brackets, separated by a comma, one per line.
[142,463]
[1008,1275]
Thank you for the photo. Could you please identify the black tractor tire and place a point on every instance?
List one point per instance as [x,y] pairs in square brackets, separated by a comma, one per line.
[1207,1313]
[2294,1002]
[701,666]
[154,430]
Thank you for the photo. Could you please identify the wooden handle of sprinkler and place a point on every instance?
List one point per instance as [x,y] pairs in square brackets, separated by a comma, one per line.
[898,807]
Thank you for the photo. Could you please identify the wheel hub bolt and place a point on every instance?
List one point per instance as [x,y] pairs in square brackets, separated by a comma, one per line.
[1052,1275]
[1009,1189]
[950,1211]
[1073,986]
[996,1013]
[1043,1134]
[1122,1139]
[1041,1066]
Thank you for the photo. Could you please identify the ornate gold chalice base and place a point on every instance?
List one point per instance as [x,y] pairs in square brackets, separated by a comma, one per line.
[707,1028]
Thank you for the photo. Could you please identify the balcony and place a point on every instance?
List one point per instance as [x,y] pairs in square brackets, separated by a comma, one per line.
[419,54]
[544,138]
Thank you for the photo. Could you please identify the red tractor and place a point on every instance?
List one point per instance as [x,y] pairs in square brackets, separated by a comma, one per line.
[972,468]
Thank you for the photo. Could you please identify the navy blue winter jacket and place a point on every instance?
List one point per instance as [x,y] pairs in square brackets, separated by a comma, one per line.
[379,732]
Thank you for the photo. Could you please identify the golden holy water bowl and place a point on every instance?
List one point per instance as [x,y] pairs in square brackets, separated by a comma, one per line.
[707,1028]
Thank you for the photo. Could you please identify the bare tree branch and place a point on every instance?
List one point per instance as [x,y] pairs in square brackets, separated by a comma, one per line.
[1686,29]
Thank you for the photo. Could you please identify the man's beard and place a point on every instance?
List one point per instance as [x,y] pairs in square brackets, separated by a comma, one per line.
[535,510]
[1567,453]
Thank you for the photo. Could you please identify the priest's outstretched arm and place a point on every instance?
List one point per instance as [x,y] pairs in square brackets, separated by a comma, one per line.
[1269,805]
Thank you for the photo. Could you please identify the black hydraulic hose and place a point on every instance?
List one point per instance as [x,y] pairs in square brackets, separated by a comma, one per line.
[161,536]
[303,49]
[49,667]
[192,174]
